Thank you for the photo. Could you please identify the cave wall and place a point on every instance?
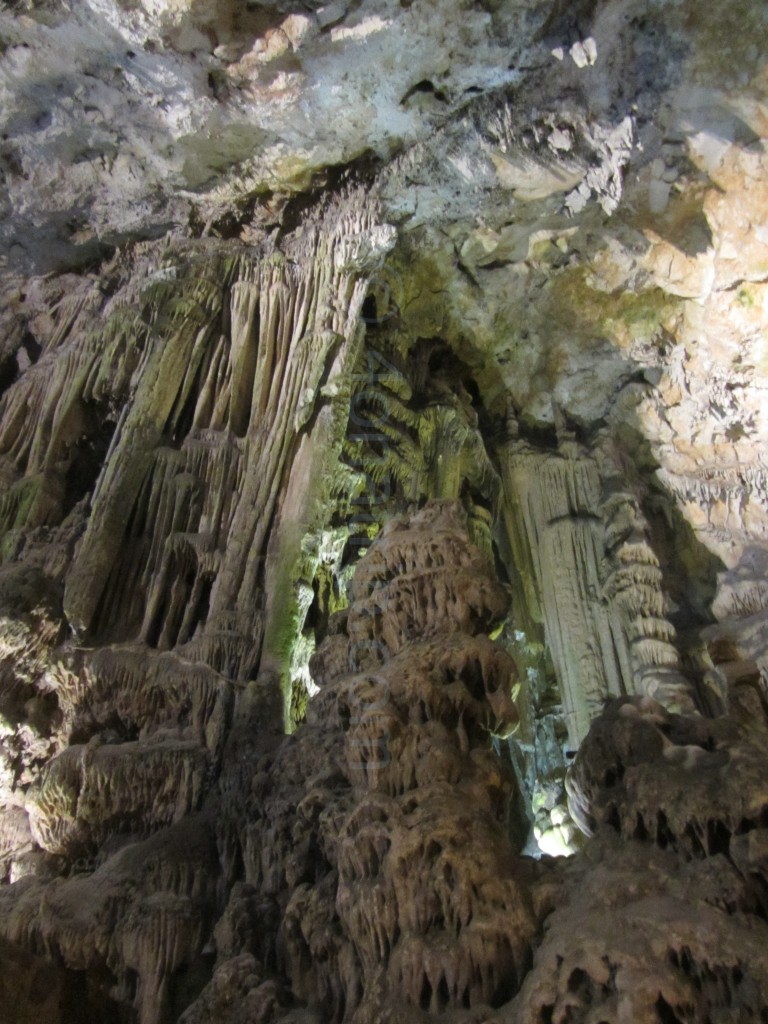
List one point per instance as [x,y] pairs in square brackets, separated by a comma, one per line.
[383,511]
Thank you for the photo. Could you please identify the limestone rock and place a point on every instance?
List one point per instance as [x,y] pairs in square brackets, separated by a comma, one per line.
[687,783]
[393,864]
[685,947]
[480,290]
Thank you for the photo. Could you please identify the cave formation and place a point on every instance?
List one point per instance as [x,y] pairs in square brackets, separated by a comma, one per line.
[383,512]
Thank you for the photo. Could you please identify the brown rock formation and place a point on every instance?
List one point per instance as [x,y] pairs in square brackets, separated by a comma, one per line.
[663,917]
[400,887]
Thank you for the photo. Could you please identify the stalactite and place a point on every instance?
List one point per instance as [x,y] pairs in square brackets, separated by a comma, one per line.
[633,586]
[230,375]
[596,581]
[554,521]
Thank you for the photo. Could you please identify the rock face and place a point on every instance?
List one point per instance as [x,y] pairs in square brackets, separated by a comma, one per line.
[687,878]
[380,879]
[383,511]
[400,887]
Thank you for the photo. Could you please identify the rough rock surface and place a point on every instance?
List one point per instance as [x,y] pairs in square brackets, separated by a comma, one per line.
[393,864]
[273,277]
